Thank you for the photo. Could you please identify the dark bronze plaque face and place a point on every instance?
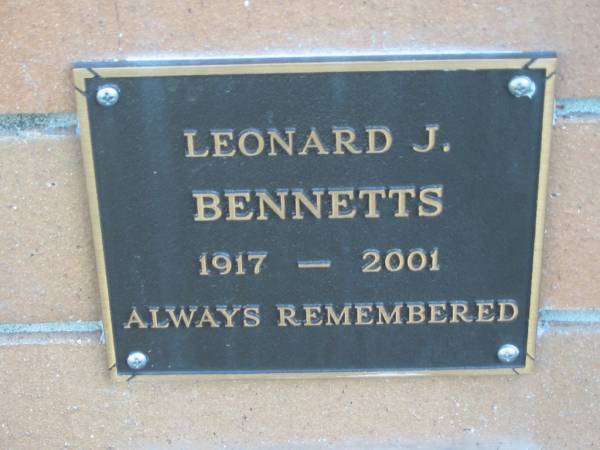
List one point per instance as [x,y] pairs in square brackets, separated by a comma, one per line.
[308,217]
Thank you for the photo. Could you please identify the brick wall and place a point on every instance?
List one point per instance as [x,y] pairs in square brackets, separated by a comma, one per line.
[55,387]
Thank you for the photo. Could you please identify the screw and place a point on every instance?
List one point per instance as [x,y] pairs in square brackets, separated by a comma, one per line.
[137,360]
[521,86]
[107,95]
[508,353]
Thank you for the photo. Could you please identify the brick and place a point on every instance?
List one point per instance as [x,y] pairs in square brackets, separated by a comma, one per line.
[47,269]
[39,40]
[571,241]
[61,395]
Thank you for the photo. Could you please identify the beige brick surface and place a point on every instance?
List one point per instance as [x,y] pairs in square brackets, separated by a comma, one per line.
[47,268]
[60,395]
[571,242]
[40,39]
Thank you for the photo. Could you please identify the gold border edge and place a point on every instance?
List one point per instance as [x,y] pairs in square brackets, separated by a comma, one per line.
[80,75]
[550,65]
[317,67]
[324,375]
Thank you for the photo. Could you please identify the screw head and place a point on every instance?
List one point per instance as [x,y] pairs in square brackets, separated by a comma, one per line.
[107,95]
[137,360]
[508,353]
[521,86]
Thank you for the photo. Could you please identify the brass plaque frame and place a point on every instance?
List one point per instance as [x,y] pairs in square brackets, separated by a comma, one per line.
[517,62]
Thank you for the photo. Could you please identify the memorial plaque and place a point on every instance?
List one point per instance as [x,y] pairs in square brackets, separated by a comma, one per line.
[318,217]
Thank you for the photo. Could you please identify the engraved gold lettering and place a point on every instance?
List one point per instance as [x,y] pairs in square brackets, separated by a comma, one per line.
[385,318]
[207,200]
[431,201]
[394,260]
[315,315]
[155,323]
[502,313]
[251,316]
[221,140]
[257,136]
[264,198]
[252,142]
[485,311]
[343,203]
[176,320]
[191,145]
[300,198]
[207,318]
[416,312]
[363,314]
[402,193]
[460,312]
[311,313]
[437,312]
[372,133]
[344,139]
[221,261]
[371,195]
[228,315]
[420,256]
[338,202]
[343,318]
[275,140]
[431,138]
[313,142]
[236,203]
[135,319]
[287,315]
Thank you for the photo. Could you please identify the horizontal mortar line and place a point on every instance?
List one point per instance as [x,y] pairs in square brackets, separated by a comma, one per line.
[14,340]
[580,316]
[52,327]
[314,264]
[585,107]
[40,123]
[66,123]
